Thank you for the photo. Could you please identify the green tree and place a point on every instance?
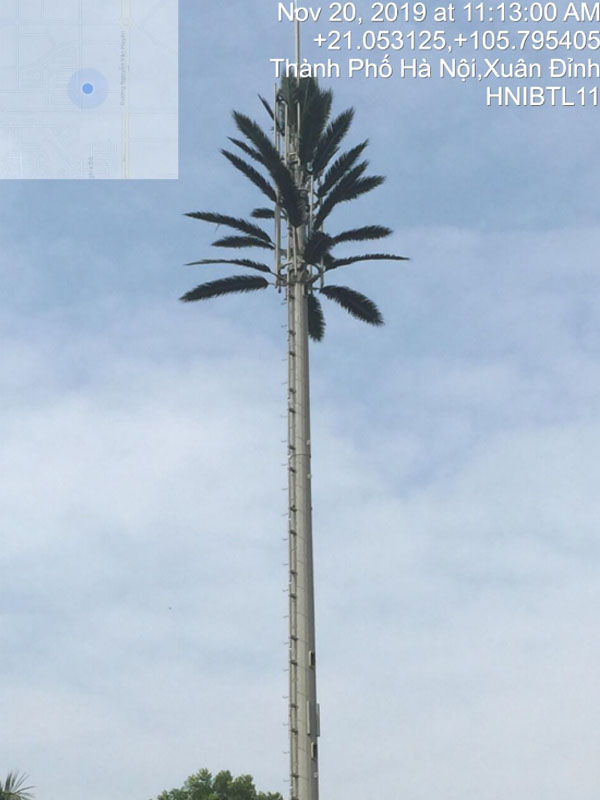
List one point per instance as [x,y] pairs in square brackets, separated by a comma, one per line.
[202,786]
[13,789]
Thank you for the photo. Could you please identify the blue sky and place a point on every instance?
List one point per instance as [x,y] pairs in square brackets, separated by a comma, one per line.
[455,461]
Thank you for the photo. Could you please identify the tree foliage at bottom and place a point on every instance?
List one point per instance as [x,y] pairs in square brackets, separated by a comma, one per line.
[202,786]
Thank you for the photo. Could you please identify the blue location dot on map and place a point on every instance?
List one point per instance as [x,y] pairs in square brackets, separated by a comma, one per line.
[88,88]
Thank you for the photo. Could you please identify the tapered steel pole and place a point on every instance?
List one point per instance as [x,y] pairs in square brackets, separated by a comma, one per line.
[303,707]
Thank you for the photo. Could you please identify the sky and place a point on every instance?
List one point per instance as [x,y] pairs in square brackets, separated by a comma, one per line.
[455,474]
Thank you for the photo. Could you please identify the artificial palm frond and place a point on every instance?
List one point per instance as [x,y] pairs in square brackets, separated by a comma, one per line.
[327,260]
[315,114]
[340,167]
[364,234]
[290,199]
[13,787]
[263,213]
[250,151]
[289,93]
[306,88]
[242,241]
[316,320]
[355,303]
[345,194]
[288,191]
[349,188]
[238,262]
[345,182]
[315,248]
[235,283]
[231,222]
[252,174]
[267,106]
[259,139]
[299,92]
[330,140]
[334,263]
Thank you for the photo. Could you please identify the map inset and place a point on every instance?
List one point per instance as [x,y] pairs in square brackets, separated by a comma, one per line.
[88,89]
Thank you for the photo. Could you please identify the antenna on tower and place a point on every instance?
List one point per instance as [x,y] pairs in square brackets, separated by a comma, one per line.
[297,37]
[298,42]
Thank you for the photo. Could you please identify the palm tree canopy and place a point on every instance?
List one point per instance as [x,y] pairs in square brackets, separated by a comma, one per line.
[322,173]
[13,788]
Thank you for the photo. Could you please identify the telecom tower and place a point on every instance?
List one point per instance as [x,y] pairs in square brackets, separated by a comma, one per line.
[303,706]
